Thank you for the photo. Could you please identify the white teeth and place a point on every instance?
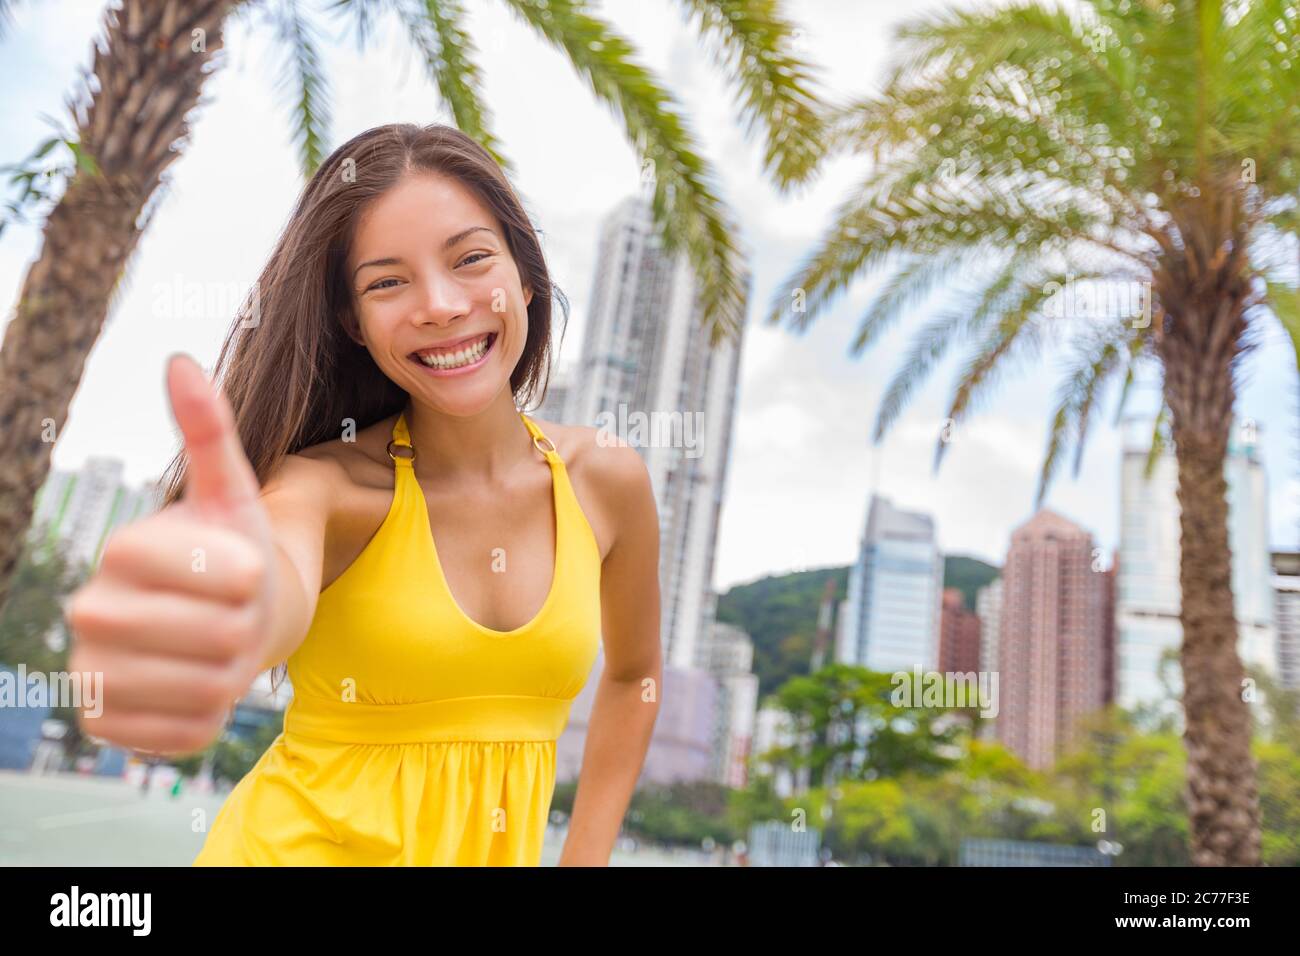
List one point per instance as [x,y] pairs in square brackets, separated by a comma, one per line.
[465,356]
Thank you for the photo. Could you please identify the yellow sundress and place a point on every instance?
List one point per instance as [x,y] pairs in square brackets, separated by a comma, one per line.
[415,735]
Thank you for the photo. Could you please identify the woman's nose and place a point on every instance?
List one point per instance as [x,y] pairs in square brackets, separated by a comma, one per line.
[441,299]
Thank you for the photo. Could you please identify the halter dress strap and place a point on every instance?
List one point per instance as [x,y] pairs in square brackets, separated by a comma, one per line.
[541,442]
[402,439]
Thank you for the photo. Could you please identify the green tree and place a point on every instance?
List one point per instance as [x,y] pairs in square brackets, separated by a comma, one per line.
[45,576]
[754,803]
[32,629]
[1022,152]
[233,756]
[1125,784]
[682,814]
[848,727]
[1279,786]
[870,819]
[147,76]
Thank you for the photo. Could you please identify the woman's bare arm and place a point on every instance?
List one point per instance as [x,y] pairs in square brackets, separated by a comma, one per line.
[299,499]
[631,682]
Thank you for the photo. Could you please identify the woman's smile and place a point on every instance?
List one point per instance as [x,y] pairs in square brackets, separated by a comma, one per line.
[463,360]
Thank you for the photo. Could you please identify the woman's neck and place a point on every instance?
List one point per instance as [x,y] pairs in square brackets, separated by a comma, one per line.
[483,448]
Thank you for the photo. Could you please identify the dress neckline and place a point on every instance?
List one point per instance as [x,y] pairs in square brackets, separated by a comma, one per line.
[406,471]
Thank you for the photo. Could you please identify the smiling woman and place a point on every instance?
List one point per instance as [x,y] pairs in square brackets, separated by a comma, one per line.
[445,569]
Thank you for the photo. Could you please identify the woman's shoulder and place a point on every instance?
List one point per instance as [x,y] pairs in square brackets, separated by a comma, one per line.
[605,463]
[593,450]
[356,459]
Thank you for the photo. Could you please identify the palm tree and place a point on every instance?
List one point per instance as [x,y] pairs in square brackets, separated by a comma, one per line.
[1022,151]
[147,73]
[148,76]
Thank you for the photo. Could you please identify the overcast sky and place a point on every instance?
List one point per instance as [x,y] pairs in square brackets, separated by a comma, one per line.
[802,461]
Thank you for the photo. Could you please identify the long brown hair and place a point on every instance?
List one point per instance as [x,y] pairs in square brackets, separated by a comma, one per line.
[292,374]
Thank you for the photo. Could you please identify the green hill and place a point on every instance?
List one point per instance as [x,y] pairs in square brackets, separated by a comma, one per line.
[780,614]
[968,575]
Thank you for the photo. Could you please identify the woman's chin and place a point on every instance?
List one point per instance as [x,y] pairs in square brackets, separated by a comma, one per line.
[462,399]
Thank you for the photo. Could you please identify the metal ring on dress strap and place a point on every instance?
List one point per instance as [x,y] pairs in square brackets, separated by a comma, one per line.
[537,438]
[404,458]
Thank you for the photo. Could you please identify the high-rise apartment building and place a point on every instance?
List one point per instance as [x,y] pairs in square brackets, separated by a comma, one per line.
[959,635]
[988,606]
[1286,591]
[1051,657]
[648,374]
[729,657]
[81,508]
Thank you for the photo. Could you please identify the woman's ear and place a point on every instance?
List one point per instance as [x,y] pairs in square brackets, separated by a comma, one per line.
[350,329]
[528,296]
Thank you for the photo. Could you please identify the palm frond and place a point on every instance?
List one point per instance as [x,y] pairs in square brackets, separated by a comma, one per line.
[1036,46]
[1159,442]
[906,289]
[1286,218]
[981,370]
[1076,399]
[1284,302]
[918,209]
[754,50]
[6,16]
[304,75]
[363,13]
[1259,109]
[928,347]
[436,27]
[934,340]
[690,216]
[1136,344]
[1016,336]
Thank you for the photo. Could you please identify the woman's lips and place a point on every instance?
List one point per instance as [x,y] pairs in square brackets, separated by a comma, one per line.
[463,369]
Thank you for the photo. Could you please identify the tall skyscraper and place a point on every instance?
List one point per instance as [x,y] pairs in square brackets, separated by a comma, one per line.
[729,656]
[646,361]
[555,406]
[683,745]
[1286,587]
[988,605]
[81,508]
[1148,591]
[1050,649]
[892,613]
[959,635]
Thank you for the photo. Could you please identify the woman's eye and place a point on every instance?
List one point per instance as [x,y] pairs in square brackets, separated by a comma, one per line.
[474,257]
[380,284]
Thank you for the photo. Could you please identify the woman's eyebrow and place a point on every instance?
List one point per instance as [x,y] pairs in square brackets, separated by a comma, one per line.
[390,261]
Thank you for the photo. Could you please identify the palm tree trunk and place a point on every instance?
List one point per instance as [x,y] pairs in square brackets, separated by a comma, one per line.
[1222,798]
[1205,290]
[149,73]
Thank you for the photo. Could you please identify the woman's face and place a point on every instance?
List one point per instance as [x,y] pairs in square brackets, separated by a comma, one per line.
[433,285]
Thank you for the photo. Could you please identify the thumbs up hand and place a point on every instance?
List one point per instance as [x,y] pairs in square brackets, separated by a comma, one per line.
[176,616]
